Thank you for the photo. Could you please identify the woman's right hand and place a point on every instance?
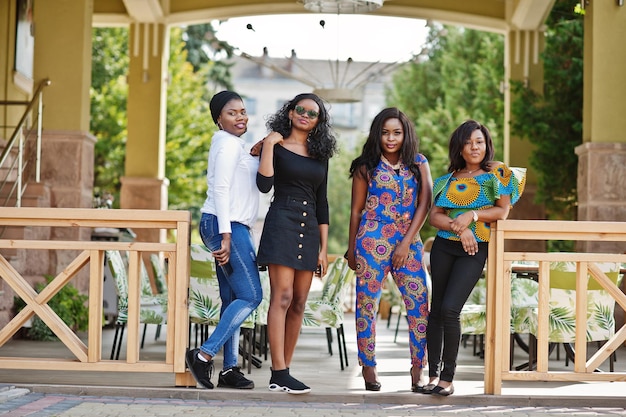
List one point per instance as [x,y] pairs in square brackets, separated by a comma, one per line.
[266,164]
[222,255]
[273,138]
[256,148]
[351,259]
[461,222]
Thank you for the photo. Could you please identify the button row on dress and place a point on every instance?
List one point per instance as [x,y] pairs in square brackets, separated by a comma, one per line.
[304,214]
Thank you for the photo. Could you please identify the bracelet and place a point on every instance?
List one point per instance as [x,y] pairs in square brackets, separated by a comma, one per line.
[475,215]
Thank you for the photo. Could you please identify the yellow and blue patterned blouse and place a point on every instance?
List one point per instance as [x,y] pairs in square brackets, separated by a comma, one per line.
[459,195]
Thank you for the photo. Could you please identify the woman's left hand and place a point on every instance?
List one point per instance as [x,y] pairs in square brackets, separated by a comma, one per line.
[400,256]
[470,245]
[322,266]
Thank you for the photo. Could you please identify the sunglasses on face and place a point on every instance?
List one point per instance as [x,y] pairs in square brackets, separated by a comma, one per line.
[311,113]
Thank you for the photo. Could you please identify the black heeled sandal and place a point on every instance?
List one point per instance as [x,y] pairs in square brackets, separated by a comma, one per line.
[417,386]
[371,386]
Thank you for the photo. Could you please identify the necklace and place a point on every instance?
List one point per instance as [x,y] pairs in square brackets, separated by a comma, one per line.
[468,171]
[394,166]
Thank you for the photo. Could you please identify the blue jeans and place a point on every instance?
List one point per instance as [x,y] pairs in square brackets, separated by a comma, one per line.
[240,292]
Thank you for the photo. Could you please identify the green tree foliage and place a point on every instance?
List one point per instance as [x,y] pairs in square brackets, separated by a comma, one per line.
[339,198]
[456,77]
[188,126]
[189,130]
[109,93]
[202,47]
[552,119]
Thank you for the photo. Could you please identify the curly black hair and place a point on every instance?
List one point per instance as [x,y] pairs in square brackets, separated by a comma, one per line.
[371,153]
[322,144]
[457,143]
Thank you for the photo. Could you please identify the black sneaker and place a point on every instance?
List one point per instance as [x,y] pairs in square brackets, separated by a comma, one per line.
[201,371]
[282,381]
[234,378]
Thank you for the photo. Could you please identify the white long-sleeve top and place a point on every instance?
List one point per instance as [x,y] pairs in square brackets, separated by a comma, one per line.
[232,194]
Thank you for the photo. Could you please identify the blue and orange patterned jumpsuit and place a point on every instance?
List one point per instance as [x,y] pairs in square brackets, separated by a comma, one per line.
[389,208]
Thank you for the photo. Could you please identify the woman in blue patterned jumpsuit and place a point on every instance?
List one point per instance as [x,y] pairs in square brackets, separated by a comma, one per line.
[391,196]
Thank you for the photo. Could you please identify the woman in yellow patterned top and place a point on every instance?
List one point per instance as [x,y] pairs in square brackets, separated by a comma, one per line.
[475,192]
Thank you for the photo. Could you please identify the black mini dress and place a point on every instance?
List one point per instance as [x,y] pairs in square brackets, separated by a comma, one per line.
[291,234]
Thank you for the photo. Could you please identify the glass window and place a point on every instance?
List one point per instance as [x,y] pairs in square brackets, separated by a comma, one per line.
[250,104]
[344,115]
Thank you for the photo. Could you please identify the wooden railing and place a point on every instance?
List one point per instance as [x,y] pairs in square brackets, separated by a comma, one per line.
[91,253]
[497,343]
[89,357]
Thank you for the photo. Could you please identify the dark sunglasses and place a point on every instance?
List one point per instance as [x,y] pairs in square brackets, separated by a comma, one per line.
[311,113]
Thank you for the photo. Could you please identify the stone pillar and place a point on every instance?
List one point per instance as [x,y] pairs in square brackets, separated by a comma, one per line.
[522,63]
[142,193]
[144,185]
[602,189]
[67,164]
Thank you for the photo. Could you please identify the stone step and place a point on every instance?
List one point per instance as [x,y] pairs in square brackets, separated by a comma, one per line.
[9,392]
[35,195]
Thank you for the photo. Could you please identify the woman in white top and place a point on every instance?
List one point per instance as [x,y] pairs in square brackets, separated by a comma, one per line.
[228,214]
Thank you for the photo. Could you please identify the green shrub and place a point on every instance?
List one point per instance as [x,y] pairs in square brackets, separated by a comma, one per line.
[68,304]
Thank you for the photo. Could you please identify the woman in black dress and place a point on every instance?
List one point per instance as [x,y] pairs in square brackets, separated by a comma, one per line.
[294,160]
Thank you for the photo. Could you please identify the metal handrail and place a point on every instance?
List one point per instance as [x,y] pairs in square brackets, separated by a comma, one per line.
[18,136]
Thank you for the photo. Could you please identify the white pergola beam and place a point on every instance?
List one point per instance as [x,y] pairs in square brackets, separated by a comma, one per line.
[531,14]
[146,11]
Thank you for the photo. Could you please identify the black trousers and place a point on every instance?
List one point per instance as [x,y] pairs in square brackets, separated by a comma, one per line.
[454,274]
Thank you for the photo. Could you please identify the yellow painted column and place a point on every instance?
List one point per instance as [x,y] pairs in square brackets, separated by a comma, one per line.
[602,156]
[14,86]
[144,185]
[147,84]
[523,63]
[523,48]
[63,54]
